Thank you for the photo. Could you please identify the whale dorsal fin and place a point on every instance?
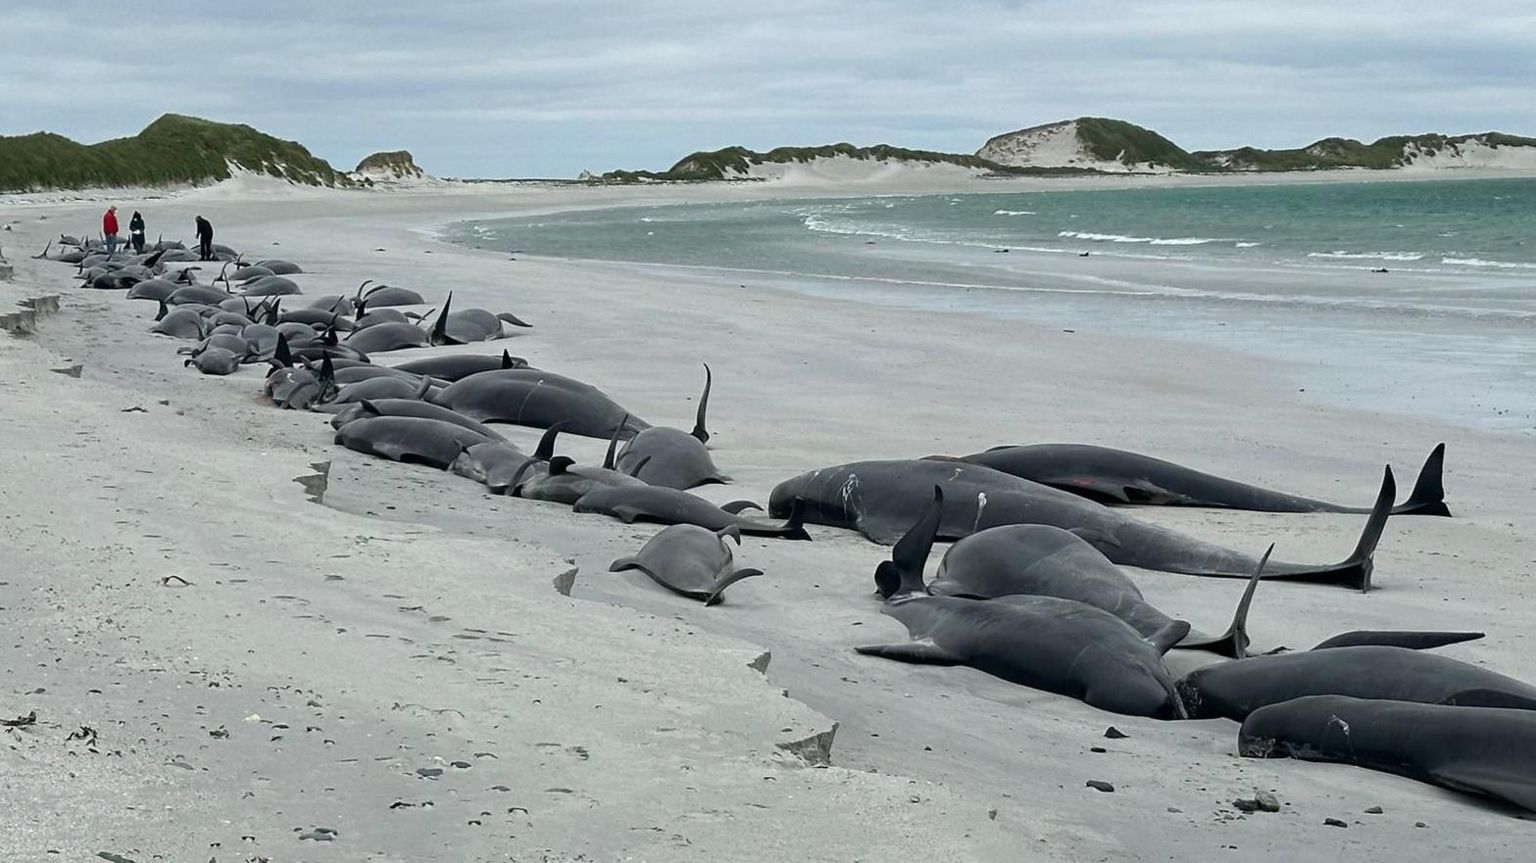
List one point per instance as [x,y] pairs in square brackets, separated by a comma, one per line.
[560,464]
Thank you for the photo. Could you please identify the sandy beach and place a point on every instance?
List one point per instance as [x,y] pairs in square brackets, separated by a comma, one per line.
[390,674]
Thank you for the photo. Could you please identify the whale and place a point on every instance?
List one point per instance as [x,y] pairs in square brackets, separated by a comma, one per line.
[882,499]
[1119,477]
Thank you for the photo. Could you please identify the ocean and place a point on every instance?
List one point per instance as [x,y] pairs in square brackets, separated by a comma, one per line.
[1290,272]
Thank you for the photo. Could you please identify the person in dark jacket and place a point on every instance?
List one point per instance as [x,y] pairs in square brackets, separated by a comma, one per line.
[204,239]
[136,232]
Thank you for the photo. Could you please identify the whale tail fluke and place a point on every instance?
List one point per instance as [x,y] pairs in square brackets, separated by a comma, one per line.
[722,584]
[1233,643]
[1428,496]
[1354,571]
[902,575]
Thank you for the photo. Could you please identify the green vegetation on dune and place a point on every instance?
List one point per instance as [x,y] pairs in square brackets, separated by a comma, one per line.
[1331,153]
[1130,144]
[732,163]
[172,150]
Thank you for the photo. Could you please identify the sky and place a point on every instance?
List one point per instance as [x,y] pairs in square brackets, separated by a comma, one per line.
[540,88]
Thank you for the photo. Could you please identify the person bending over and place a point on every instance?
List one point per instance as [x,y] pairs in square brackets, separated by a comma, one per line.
[204,239]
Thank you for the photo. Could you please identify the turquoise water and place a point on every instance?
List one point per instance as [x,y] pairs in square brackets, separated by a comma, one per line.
[1288,271]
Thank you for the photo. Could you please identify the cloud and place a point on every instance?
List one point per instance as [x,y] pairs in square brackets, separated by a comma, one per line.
[538,88]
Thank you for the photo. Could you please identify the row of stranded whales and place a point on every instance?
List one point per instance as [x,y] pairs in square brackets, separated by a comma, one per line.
[882,499]
[1040,560]
[1119,477]
[1030,591]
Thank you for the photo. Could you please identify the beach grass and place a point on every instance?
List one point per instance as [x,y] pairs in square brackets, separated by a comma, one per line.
[172,149]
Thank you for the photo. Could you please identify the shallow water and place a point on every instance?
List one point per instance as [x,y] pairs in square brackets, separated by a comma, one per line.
[1281,271]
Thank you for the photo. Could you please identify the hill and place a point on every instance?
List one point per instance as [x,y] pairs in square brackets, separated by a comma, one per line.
[1489,149]
[1090,143]
[740,163]
[172,150]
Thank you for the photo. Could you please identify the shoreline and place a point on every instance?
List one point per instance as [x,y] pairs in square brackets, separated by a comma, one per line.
[800,382]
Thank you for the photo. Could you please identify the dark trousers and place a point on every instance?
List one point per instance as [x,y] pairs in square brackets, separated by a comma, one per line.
[205,248]
[138,243]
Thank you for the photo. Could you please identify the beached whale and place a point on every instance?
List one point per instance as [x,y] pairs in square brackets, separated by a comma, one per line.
[1236,689]
[1118,477]
[270,286]
[280,267]
[385,295]
[537,398]
[454,367]
[215,360]
[561,480]
[882,499]
[372,388]
[1478,750]
[671,457]
[689,561]
[1040,560]
[409,407]
[671,506]
[417,440]
[384,337]
[470,325]
[1046,643]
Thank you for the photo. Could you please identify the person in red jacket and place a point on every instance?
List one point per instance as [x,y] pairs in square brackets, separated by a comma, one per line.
[109,228]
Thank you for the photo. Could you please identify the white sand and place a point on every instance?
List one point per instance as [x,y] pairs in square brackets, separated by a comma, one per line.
[411,622]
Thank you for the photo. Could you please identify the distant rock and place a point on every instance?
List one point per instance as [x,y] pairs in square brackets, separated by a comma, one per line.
[394,166]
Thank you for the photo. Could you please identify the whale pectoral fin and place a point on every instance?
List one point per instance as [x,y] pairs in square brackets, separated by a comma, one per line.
[1509,786]
[736,507]
[1410,640]
[1490,698]
[627,514]
[915,652]
[1099,539]
[884,532]
[729,580]
[623,563]
[1169,636]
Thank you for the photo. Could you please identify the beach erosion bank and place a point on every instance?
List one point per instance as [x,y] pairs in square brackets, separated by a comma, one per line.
[624,723]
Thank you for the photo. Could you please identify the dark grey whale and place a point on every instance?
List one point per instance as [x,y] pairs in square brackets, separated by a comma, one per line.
[1478,750]
[537,398]
[690,561]
[671,506]
[671,457]
[882,499]
[1235,689]
[1118,477]
[409,407]
[561,480]
[1040,560]
[470,325]
[416,440]
[1046,643]
[455,367]
[389,336]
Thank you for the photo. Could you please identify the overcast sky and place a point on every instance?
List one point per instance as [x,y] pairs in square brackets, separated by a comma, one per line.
[548,87]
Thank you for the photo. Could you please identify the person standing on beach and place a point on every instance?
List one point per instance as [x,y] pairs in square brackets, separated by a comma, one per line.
[136,233]
[204,239]
[109,228]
